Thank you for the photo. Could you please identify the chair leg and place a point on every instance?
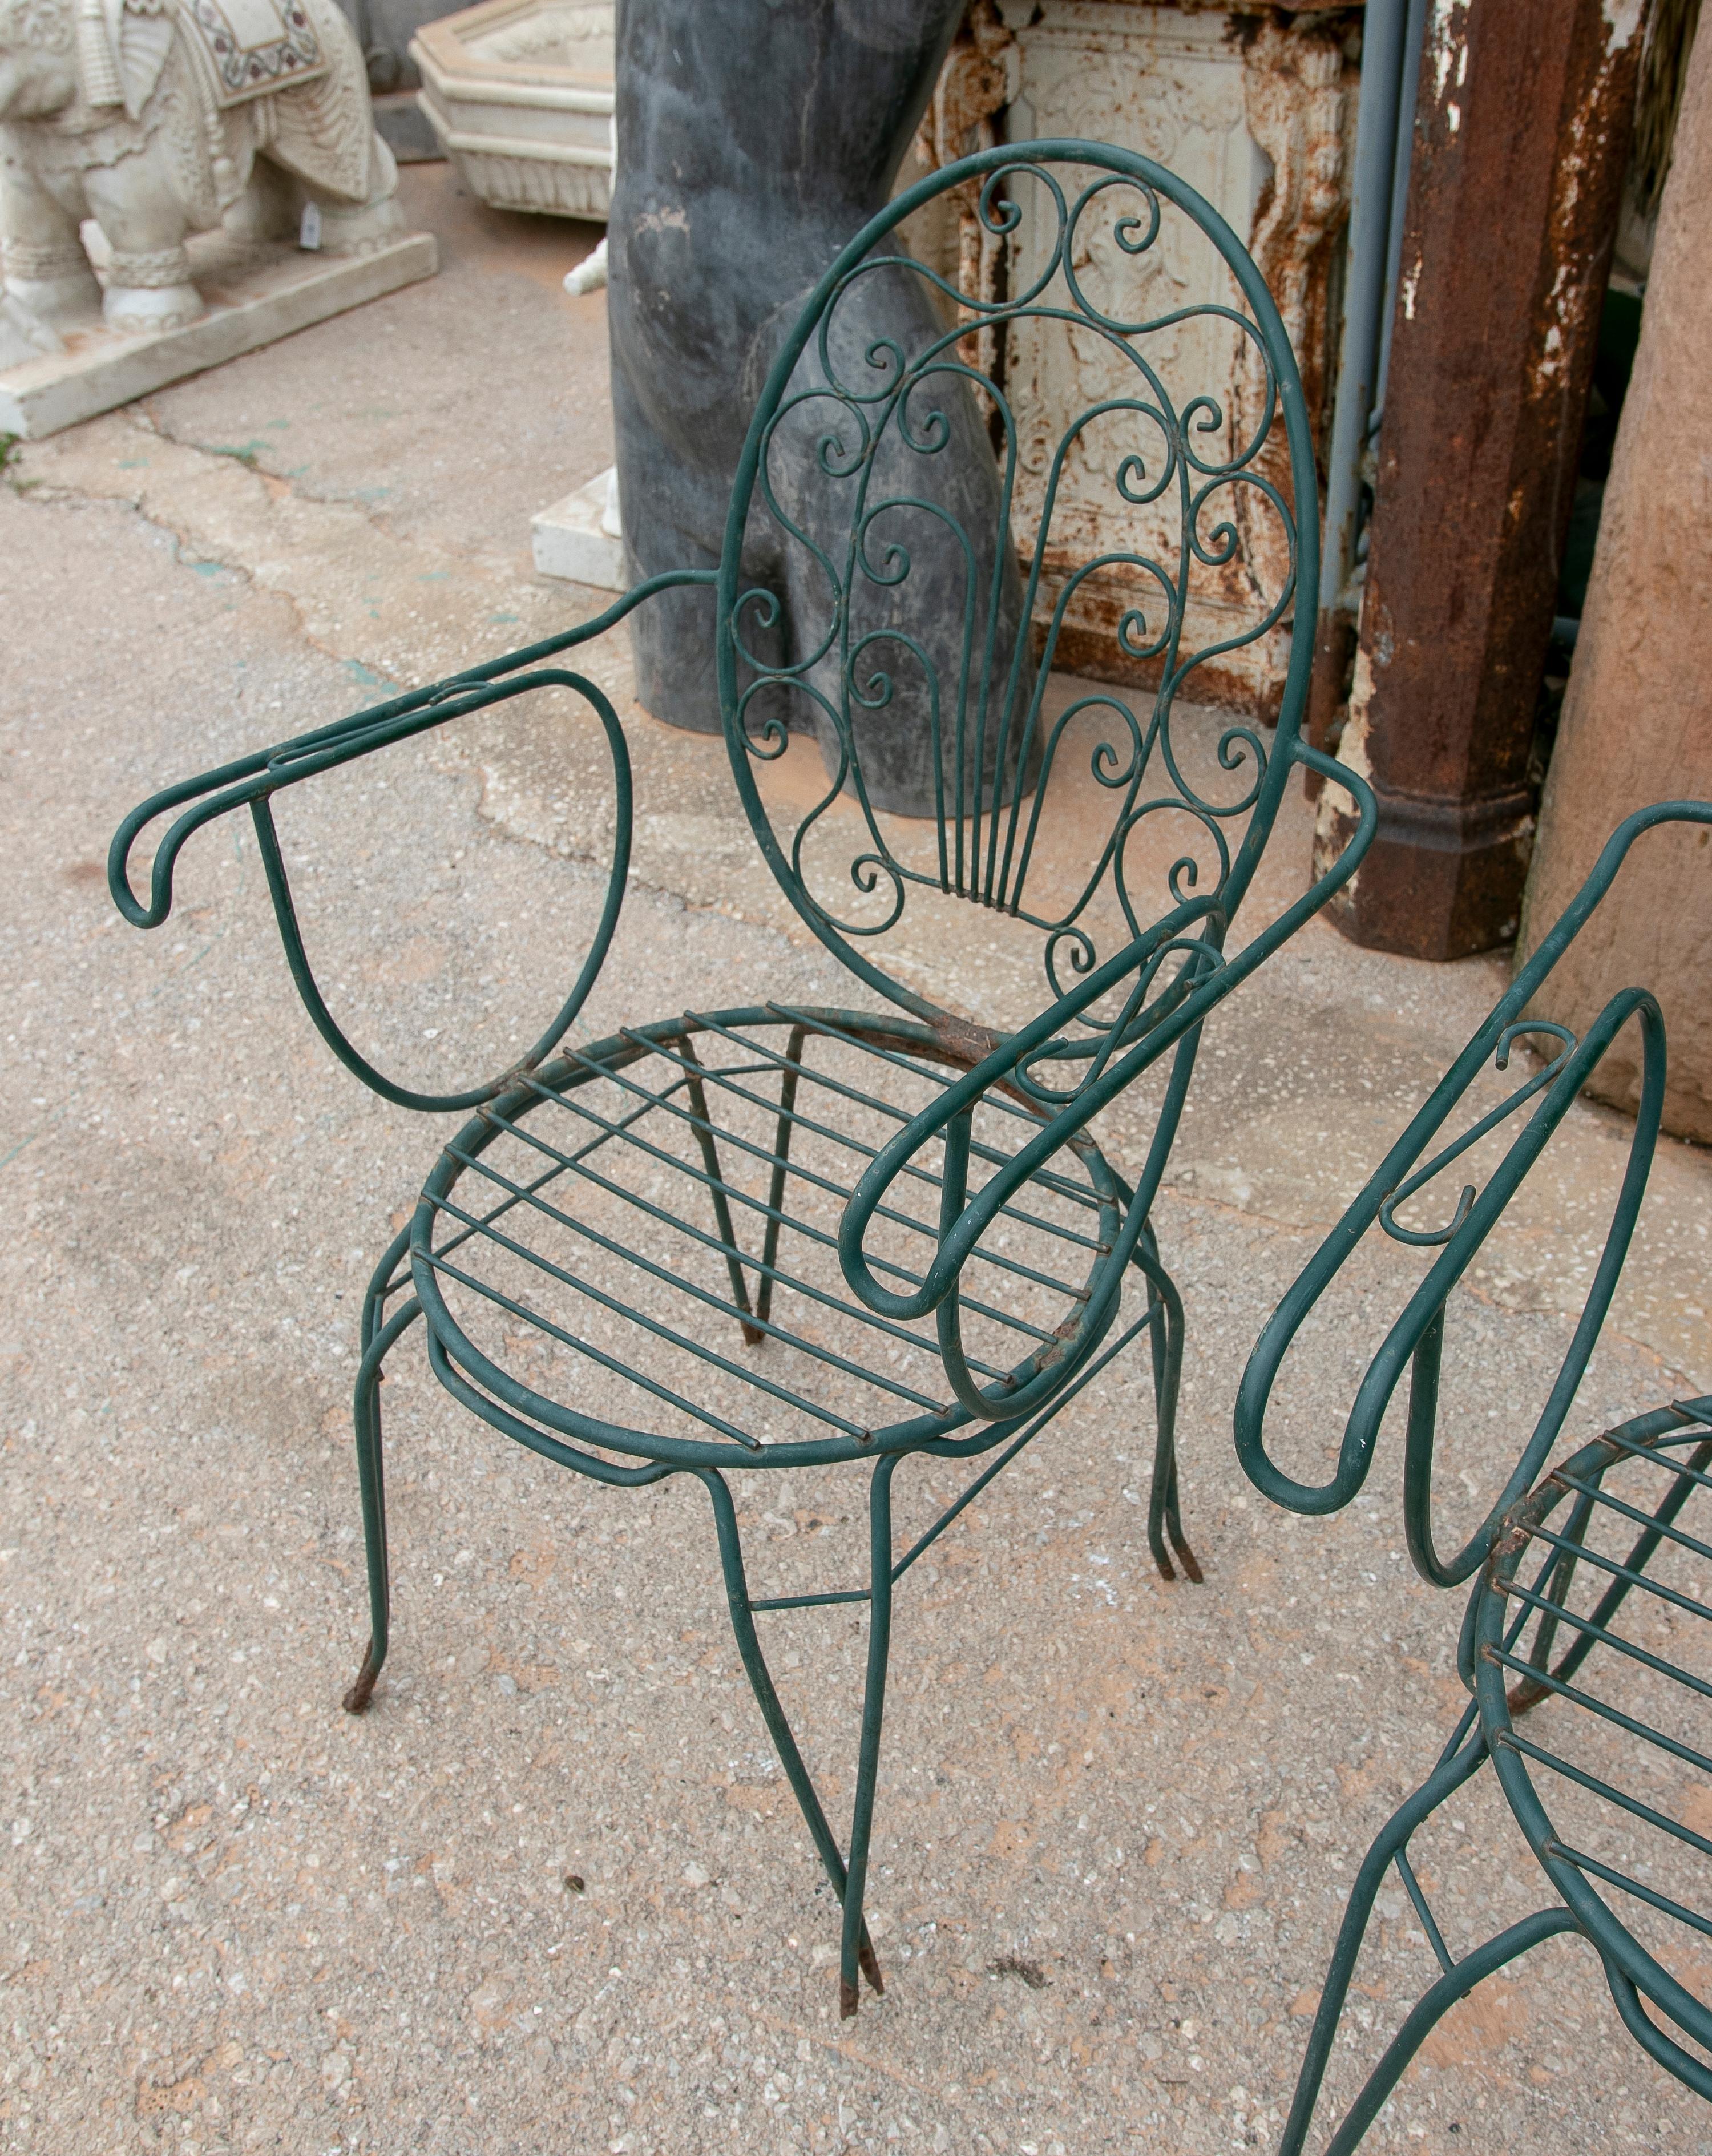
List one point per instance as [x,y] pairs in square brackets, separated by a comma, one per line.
[874,1696]
[1447,1777]
[781,1155]
[1165,1321]
[703,1123]
[773,1714]
[1651,2039]
[1431,2008]
[379,1335]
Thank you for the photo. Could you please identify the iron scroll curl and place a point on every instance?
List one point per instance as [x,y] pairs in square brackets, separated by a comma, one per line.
[873,416]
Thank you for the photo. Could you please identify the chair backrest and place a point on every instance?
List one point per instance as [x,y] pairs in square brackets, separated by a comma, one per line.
[919,540]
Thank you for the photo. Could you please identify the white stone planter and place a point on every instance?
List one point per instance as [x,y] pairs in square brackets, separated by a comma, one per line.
[520,93]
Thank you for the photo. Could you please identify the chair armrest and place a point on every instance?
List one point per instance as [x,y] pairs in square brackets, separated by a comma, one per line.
[251,781]
[1415,1339]
[1153,1019]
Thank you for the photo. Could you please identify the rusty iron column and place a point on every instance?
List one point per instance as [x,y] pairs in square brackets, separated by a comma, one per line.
[1522,134]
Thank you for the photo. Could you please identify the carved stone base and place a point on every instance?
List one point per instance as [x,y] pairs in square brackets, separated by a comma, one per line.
[1442,879]
[254,292]
[520,93]
[579,538]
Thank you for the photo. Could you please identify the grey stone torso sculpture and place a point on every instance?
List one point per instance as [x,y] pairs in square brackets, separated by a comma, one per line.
[753,141]
[163,118]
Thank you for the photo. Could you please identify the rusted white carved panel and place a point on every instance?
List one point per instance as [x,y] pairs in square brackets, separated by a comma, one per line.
[1256,114]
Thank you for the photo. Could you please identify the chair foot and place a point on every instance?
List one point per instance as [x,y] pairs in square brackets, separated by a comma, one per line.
[362,1690]
[850,1995]
[1165,1523]
[849,1991]
[380,1336]
[1164,1313]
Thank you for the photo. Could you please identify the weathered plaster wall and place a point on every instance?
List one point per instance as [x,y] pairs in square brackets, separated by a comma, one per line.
[1638,718]
[1257,110]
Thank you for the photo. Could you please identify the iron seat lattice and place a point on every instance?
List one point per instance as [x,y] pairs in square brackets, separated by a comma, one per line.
[670,1221]
[1596,1613]
[652,1221]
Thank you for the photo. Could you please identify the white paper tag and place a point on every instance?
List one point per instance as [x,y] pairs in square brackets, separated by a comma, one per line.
[309,233]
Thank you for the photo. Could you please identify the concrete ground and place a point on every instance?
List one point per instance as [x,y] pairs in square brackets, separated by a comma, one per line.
[550,1892]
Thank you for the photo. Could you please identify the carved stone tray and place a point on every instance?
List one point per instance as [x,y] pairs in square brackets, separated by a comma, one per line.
[520,93]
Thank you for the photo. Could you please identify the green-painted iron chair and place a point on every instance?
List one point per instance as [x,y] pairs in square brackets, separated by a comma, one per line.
[1555,1559]
[767,1237]
[1631,1515]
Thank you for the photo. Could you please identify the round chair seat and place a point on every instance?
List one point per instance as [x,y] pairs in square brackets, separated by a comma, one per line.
[1588,1647]
[654,1225]
[1592,1667]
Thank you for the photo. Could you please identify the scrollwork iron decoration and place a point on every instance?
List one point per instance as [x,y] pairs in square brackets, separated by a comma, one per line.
[966,658]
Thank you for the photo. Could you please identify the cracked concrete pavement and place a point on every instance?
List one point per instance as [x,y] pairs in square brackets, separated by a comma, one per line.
[550,1892]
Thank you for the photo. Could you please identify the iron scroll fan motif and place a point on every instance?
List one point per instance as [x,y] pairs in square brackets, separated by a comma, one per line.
[915,623]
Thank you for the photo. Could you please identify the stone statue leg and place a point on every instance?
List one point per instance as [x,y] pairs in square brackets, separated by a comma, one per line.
[47,271]
[727,207]
[351,228]
[271,205]
[673,510]
[902,632]
[136,205]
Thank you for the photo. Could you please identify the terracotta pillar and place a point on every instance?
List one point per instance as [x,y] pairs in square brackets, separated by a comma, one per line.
[1521,138]
[1637,722]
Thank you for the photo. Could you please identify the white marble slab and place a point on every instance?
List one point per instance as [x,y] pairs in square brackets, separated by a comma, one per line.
[579,538]
[256,293]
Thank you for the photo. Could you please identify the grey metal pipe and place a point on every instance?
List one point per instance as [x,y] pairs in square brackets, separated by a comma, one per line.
[1384,40]
[1409,92]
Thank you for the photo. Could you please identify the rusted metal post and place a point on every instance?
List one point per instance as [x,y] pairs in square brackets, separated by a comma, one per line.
[1522,134]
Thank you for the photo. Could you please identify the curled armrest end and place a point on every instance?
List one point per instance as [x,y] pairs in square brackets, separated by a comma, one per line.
[253,780]
[1413,1341]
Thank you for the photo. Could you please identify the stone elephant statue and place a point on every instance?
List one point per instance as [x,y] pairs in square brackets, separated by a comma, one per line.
[162,118]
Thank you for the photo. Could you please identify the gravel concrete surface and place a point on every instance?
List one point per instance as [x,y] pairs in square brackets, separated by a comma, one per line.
[550,1893]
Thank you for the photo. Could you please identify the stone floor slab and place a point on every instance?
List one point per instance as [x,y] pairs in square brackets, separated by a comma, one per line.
[256,295]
